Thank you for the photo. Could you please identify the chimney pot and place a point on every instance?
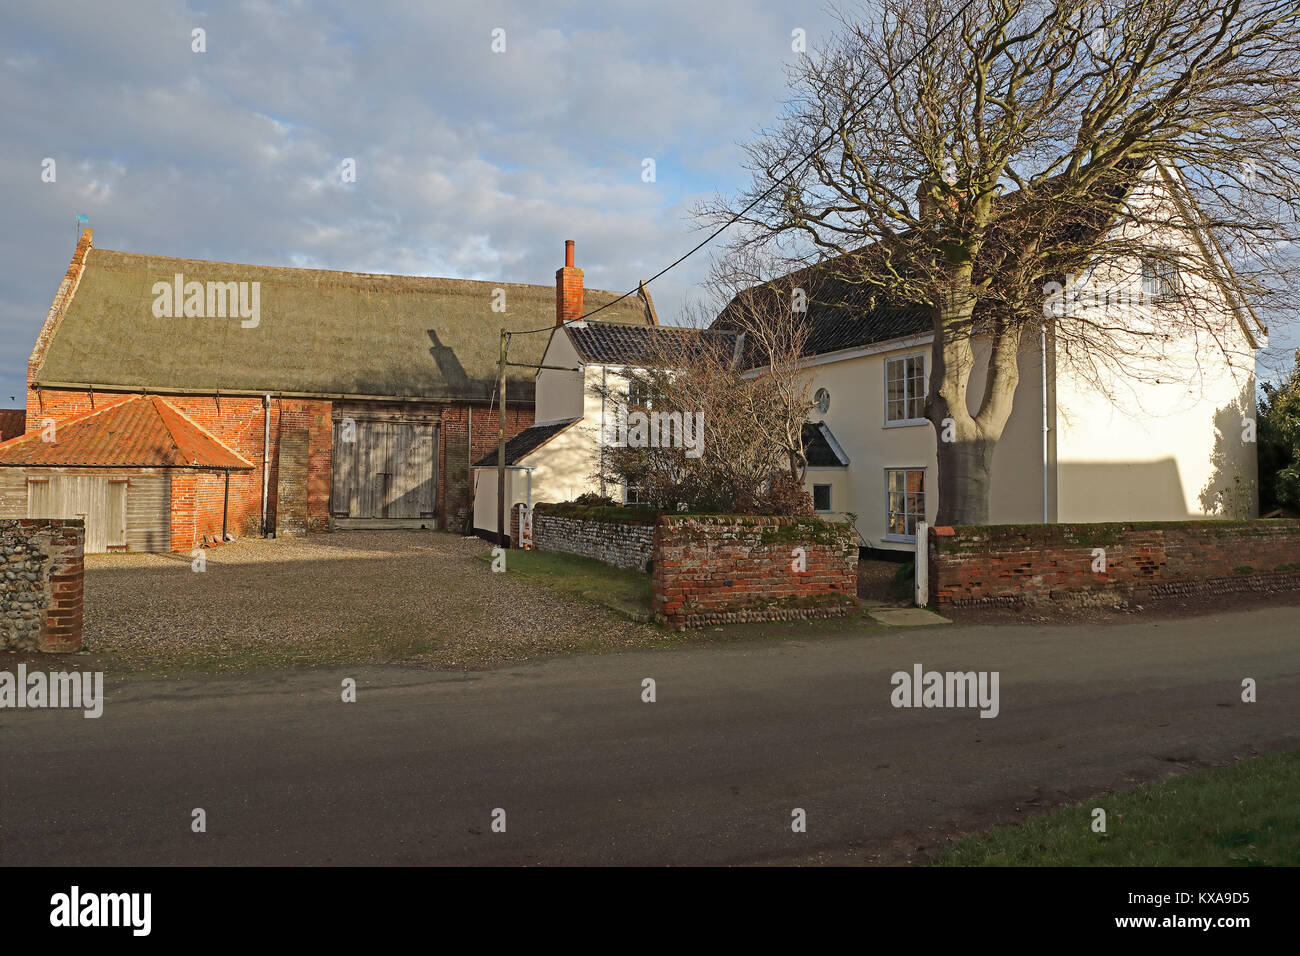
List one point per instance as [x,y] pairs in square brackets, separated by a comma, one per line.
[568,253]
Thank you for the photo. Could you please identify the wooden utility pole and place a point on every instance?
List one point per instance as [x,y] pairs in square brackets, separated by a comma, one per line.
[501,443]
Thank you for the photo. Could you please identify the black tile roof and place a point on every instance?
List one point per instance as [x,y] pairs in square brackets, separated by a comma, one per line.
[608,343]
[852,323]
[843,314]
[820,447]
[525,443]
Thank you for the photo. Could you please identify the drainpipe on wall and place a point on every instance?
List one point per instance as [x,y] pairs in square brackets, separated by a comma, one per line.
[471,478]
[266,456]
[1043,362]
[602,427]
[225,508]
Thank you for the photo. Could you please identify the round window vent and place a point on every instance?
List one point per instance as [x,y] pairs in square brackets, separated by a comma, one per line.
[823,400]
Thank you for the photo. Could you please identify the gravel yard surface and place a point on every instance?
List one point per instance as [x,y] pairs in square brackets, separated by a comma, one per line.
[418,597]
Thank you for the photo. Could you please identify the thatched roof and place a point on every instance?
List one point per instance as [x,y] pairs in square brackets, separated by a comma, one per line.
[319,333]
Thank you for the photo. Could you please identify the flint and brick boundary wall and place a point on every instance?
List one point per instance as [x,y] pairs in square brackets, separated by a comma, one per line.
[1035,565]
[621,544]
[42,576]
[721,569]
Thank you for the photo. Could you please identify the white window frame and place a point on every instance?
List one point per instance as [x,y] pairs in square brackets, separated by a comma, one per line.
[642,400]
[1162,280]
[906,422]
[830,497]
[920,516]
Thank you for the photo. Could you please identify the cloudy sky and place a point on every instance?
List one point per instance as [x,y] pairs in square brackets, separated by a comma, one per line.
[469,163]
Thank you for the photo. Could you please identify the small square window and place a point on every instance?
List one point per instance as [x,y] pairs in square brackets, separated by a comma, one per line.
[638,394]
[821,497]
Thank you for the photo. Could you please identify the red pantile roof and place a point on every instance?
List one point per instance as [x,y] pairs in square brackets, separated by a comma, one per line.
[141,432]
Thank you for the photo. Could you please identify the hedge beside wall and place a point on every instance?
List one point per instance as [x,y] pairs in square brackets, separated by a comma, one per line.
[1054,564]
[715,569]
[41,581]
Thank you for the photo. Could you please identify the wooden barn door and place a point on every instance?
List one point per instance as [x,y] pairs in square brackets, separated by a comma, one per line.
[388,471]
[99,502]
[412,453]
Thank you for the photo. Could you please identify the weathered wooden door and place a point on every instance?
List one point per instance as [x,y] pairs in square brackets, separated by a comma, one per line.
[385,470]
[99,502]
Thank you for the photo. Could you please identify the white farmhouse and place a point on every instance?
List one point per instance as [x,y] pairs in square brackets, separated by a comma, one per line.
[1166,434]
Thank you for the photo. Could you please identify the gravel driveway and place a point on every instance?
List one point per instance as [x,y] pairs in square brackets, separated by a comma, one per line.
[328,599]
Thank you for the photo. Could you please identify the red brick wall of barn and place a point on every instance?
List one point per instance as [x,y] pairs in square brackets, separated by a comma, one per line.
[13,423]
[455,485]
[310,508]
[196,498]
[238,421]
[184,499]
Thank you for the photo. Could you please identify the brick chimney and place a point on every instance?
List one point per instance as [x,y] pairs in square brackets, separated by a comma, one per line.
[568,288]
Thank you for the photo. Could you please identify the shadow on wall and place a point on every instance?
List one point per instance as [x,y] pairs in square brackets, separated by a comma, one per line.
[1154,490]
[563,468]
[1233,489]
[569,466]
[1117,491]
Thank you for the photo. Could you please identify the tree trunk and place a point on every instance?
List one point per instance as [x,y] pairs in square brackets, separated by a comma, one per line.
[965,466]
[966,441]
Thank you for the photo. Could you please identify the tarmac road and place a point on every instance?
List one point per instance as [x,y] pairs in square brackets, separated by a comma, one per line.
[587,773]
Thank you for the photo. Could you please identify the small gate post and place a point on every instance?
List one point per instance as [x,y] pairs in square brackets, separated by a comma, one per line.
[921,574]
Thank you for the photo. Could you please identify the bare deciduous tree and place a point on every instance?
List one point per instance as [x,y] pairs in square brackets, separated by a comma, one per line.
[750,395]
[1004,151]
[772,318]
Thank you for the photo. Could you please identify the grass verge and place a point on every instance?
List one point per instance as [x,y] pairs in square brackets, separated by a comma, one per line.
[1245,814]
[627,592]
